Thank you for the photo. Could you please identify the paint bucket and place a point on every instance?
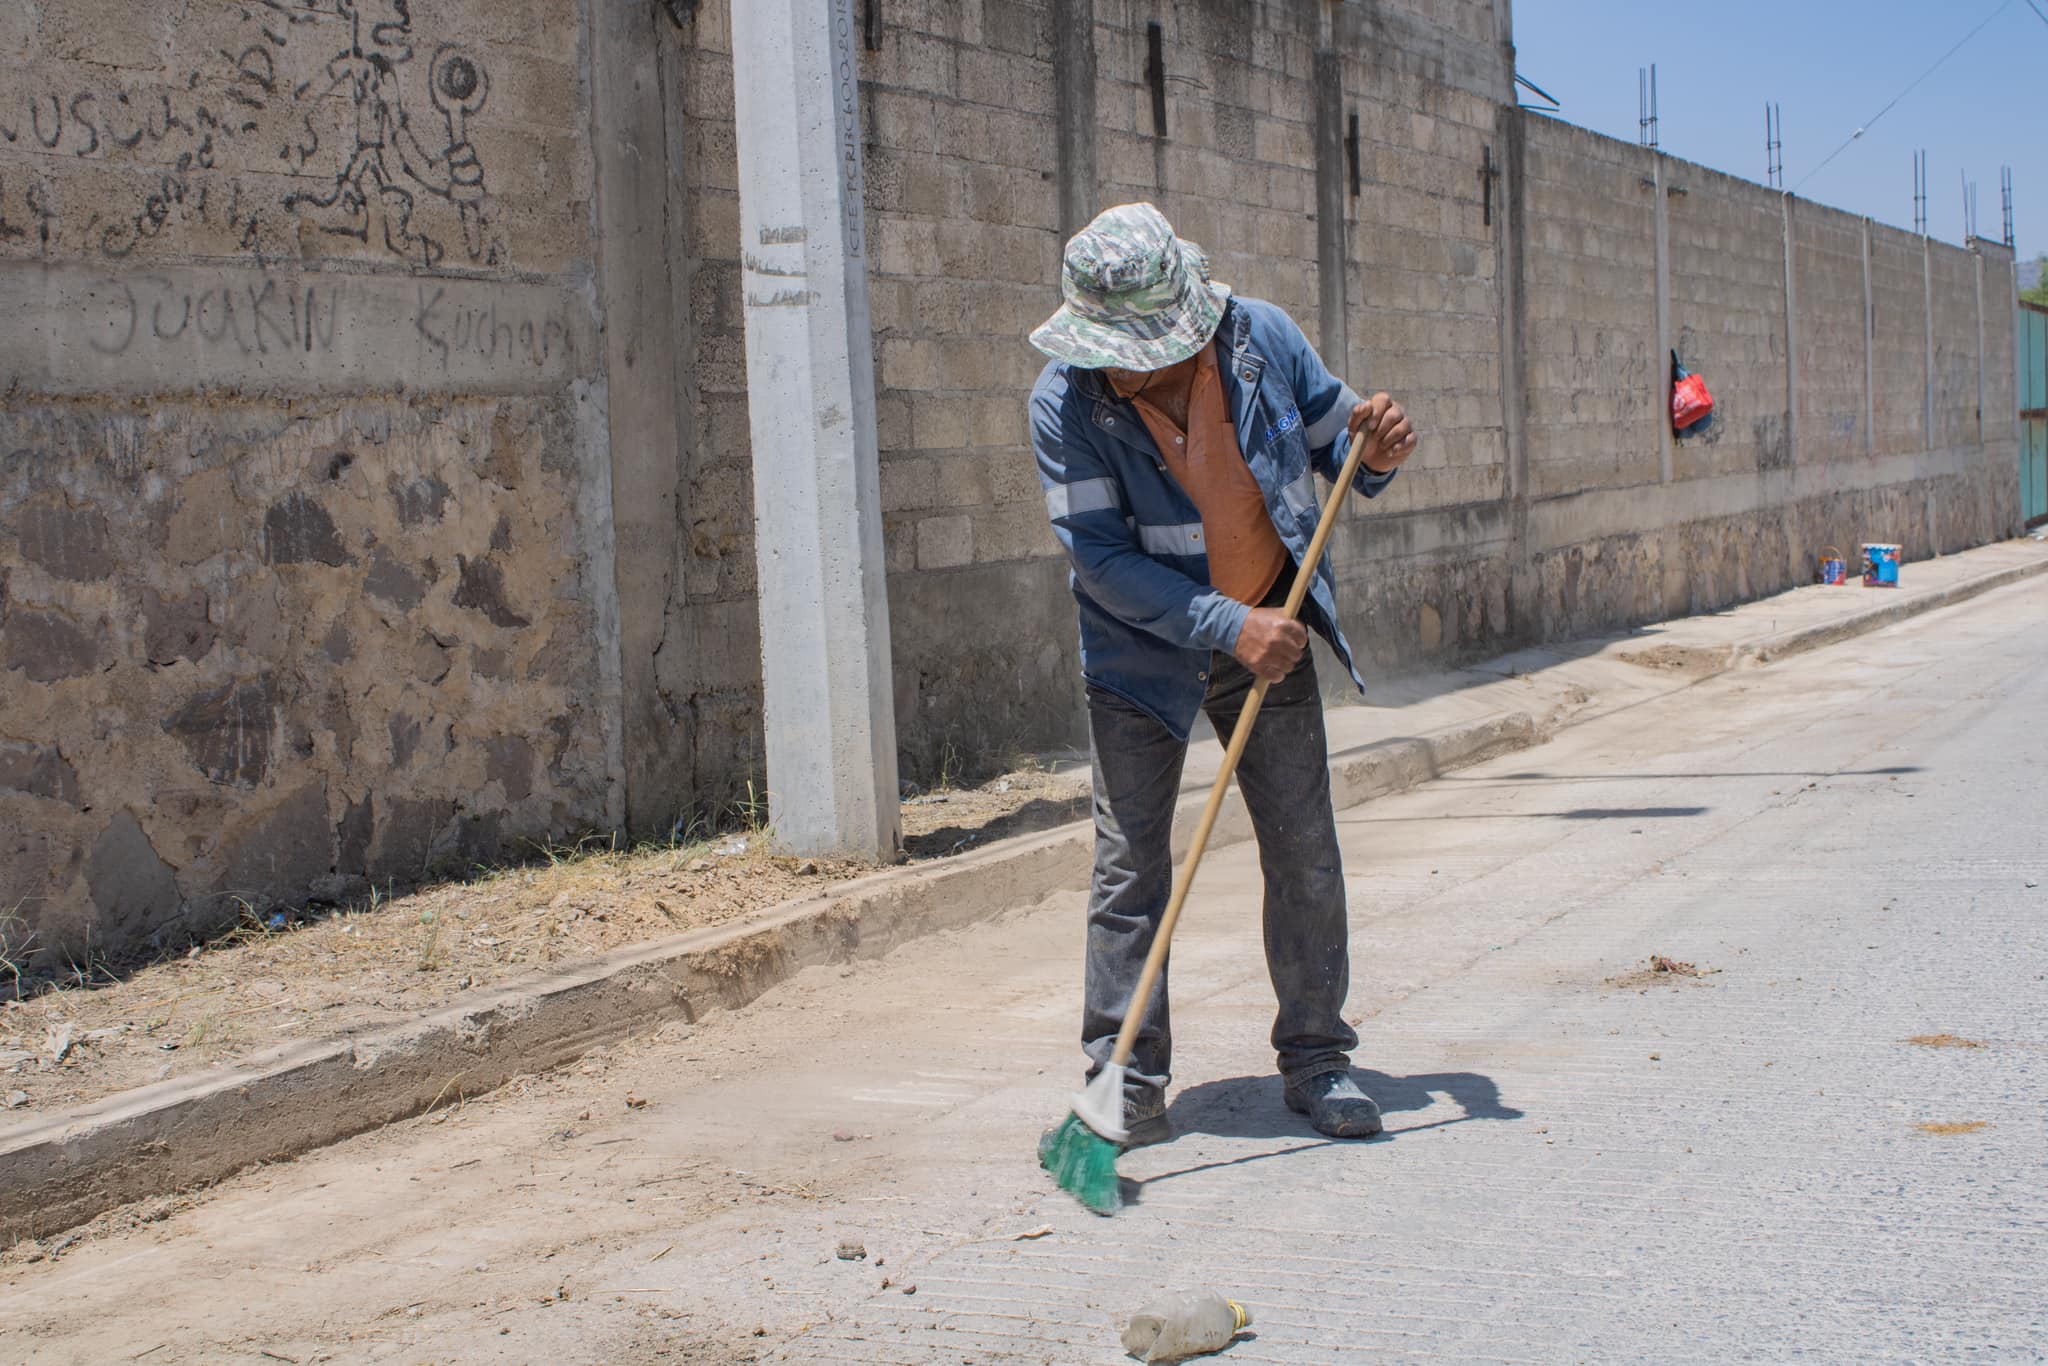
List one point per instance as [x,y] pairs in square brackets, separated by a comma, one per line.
[1833,568]
[1880,565]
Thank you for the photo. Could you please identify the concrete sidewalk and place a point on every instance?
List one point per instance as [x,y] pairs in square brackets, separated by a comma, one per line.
[58,1170]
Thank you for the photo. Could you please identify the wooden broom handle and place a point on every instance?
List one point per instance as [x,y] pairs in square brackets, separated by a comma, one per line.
[1155,960]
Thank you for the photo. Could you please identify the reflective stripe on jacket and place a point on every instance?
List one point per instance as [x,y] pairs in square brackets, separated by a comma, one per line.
[1149,618]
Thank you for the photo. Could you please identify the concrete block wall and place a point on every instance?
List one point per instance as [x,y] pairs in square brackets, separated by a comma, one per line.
[2001,357]
[381,489]
[161,133]
[304,547]
[1234,171]
[1590,328]
[1423,314]
[707,669]
[962,205]
[1422,570]
[963,208]
[1728,319]
[1790,464]
[1958,350]
[1898,299]
[1828,327]
[1973,303]
[1747,505]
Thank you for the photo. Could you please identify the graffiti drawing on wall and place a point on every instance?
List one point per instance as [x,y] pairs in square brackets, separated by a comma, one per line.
[345,94]
[386,159]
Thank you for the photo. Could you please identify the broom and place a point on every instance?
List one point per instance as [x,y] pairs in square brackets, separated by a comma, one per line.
[1081,1151]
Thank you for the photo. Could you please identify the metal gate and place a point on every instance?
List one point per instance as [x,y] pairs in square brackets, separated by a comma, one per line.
[2033,358]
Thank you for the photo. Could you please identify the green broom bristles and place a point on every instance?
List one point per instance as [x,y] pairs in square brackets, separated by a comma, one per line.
[1082,1163]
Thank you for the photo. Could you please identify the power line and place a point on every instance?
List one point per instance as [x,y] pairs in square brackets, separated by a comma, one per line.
[2042,13]
[1872,120]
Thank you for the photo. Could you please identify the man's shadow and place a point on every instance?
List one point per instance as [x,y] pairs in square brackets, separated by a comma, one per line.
[1252,1107]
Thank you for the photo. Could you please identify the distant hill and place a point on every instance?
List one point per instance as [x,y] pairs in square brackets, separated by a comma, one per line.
[2030,274]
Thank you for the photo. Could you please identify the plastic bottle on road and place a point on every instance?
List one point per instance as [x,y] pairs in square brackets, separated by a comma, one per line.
[1183,1325]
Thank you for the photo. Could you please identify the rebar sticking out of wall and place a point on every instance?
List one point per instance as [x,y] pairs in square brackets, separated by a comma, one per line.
[1774,147]
[1920,193]
[1646,103]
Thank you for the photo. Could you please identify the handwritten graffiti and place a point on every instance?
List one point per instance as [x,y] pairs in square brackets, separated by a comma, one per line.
[380,126]
[487,331]
[91,123]
[181,197]
[235,327]
[254,317]
[385,162]
[470,327]
[30,212]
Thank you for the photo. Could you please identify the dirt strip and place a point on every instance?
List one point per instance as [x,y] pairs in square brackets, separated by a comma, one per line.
[340,972]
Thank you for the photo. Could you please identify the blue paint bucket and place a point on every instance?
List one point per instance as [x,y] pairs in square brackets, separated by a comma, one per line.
[1833,568]
[1880,565]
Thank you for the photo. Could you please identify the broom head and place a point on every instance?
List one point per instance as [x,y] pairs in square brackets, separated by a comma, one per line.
[1081,1151]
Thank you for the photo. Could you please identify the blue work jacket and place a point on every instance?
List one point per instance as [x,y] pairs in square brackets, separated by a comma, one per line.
[1149,618]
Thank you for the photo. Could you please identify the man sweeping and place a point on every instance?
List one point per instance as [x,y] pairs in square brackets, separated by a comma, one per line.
[1178,431]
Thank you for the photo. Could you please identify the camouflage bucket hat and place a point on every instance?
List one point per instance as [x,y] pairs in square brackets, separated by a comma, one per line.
[1137,297]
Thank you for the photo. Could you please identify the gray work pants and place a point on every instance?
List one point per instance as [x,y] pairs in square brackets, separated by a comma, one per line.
[1285,778]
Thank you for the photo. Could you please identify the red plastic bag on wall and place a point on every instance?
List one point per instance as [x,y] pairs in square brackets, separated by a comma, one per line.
[1690,401]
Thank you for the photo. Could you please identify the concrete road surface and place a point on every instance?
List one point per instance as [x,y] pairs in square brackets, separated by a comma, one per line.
[1586,1160]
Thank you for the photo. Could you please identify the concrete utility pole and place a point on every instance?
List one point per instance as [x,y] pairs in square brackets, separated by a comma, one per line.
[825,671]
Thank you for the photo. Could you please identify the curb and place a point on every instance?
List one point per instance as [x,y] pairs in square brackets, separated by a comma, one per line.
[1828,633]
[190,1132]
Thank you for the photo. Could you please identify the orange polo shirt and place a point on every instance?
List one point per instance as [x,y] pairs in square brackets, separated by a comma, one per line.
[1245,552]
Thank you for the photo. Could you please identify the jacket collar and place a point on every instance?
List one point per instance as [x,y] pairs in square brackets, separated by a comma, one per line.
[1237,329]
[1116,418]
[1241,376]
[1241,366]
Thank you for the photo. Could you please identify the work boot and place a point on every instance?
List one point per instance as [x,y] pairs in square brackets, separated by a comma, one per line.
[1146,1122]
[1335,1105]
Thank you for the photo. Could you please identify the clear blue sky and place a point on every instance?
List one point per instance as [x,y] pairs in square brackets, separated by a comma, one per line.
[1830,65]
